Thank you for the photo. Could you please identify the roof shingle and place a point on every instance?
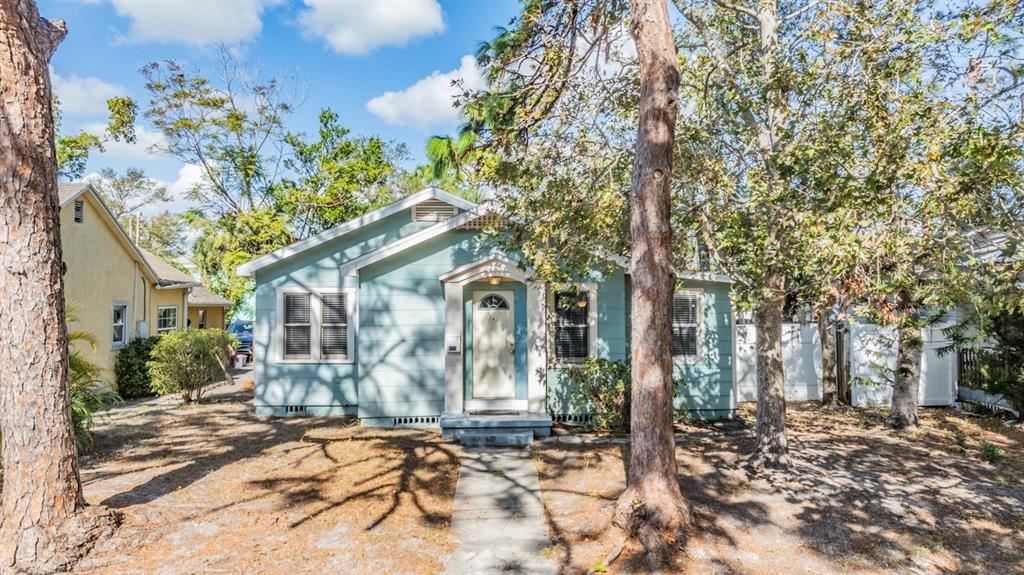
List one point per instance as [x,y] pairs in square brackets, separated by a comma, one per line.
[200,296]
[165,272]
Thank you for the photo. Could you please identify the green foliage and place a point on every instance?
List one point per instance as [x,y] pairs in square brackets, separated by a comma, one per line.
[336,177]
[1000,353]
[131,370]
[88,393]
[73,149]
[601,387]
[990,452]
[186,361]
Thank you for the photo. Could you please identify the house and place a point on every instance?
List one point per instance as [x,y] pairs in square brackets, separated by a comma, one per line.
[118,290]
[414,314]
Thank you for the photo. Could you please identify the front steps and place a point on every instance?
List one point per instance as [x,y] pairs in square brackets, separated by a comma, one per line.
[507,429]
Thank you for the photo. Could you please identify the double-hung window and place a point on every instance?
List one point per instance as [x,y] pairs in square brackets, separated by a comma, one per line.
[120,324]
[316,325]
[686,312]
[573,322]
[166,318]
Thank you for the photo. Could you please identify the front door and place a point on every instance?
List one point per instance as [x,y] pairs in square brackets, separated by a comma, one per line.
[493,345]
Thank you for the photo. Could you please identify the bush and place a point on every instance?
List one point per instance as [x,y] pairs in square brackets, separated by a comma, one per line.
[87,392]
[602,388]
[131,372]
[185,361]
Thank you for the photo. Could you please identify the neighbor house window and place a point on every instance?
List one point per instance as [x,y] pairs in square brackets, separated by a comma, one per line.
[202,318]
[79,211]
[572,326]
[120,324]
[686,325]
[317,324]
[166,318]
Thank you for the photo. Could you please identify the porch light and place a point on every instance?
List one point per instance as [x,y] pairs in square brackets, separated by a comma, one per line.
[582,302]
[494,281]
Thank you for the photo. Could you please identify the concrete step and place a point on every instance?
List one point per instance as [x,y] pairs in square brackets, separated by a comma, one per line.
[496,438]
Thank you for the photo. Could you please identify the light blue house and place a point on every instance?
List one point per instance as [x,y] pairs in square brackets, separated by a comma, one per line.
[413,315]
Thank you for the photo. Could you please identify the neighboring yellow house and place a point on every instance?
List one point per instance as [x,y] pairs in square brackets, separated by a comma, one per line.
[119,291]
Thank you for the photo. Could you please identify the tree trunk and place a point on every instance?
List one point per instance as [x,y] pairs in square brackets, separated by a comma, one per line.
[829,381]
[903,413]
[41,529]
[652,506]
[772,448]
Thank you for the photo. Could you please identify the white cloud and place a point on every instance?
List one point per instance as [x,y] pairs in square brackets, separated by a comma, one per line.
[360,26]
[145,139]
[210,22]
[428,103]
[188,176]
[83,95]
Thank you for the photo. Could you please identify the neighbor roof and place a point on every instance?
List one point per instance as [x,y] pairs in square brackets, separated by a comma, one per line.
[249,268]
[166,274]
[200,296]
[68,191]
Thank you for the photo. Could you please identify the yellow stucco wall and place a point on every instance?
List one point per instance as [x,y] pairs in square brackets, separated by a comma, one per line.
[100,271]
[168,297]
[214,316]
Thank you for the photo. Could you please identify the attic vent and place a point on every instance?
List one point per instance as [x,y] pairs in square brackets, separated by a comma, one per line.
[489,220]
[416,421]
[295,409]
[79,211]
[432,211]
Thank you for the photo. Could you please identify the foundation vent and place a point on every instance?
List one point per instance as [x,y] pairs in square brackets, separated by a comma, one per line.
[418,421]
[573,418]
[295,409]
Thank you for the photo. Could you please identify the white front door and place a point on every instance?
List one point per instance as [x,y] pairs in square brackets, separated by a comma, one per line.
[493,345]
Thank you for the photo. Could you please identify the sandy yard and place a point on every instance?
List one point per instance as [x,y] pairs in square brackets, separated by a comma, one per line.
[861,499]
[213,489]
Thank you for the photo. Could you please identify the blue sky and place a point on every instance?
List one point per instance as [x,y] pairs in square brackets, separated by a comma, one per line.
[384,66]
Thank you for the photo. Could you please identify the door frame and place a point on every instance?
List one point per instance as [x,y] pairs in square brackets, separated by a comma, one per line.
[478,295]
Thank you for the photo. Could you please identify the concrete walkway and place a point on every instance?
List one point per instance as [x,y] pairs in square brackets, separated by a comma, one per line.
[499,518]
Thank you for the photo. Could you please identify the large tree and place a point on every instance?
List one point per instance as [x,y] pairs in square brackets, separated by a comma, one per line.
[45,526]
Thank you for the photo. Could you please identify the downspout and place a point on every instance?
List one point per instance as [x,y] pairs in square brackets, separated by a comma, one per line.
[135,294]
[184,306]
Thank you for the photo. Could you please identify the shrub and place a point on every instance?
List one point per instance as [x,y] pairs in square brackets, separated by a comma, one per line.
[185,361]
[87,392]
[133,381]
[602,387]
[990,452]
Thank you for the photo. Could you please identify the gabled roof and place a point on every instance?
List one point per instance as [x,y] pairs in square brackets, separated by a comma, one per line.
[167,275]
[249,268]
[202,297]
[68,191]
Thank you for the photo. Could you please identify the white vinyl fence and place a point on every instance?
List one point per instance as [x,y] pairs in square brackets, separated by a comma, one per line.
[871,358]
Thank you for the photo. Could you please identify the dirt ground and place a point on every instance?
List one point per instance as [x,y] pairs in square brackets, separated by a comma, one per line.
[214,489]
[860,499]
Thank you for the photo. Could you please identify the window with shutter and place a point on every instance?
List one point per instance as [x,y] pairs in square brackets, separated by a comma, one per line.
[334,326]
[685,325]
[297,326]
[572,326]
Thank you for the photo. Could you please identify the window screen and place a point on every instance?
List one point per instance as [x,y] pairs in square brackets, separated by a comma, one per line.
[166,319]
[296,325]
[334,326]
[119,321]
[685,307]
[572,328]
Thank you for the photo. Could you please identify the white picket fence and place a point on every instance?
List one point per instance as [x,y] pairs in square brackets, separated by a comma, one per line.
[871,355]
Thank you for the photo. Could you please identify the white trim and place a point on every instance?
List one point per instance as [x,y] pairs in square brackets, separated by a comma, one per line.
[355,264]
[704,277]
[177,319]
[495,265]
[591,289]
[315,324]
[700,325]
[497,404]
[249,268]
